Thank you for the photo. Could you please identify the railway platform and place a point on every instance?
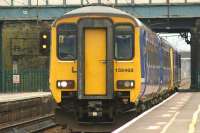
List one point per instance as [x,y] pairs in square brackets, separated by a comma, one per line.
[19,107]
[180,113]
[9,97]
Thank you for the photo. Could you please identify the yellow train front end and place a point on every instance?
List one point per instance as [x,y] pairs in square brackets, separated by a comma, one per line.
[95,64]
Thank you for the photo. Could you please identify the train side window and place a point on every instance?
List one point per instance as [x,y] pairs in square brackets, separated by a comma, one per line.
[123,42]
[67,41]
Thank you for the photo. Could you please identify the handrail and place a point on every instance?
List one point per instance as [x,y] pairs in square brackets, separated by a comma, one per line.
[47,3]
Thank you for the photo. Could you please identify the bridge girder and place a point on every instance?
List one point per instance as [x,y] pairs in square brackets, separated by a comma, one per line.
[140,11]
[160,17]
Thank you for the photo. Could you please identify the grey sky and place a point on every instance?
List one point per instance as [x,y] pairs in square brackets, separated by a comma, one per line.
[176,41]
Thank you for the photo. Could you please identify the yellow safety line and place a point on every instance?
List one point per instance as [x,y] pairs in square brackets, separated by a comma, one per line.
[194,121]
[169,123]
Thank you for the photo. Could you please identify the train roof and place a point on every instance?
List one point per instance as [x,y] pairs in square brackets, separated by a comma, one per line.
[97,10]
[101,10]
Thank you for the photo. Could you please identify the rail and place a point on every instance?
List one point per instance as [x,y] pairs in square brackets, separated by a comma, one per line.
[31,126]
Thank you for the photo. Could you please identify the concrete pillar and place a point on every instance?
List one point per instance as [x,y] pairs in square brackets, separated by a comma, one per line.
[193,62]
[195,57]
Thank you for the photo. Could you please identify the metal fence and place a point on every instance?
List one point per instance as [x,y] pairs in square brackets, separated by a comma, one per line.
[24,81]
[29,3]
[195,81]
[198,78]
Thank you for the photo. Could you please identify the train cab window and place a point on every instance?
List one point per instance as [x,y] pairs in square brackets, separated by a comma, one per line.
[67,41]
[123,41]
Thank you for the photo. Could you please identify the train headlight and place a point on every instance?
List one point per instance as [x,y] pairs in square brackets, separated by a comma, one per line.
[44,36]
[125,84]
[65,84]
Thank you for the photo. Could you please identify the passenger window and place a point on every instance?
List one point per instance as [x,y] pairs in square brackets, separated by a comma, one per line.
[67,41]
[123,39]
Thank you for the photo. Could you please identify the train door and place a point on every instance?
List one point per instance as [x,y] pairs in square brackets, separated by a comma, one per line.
[95,59]
[95,56]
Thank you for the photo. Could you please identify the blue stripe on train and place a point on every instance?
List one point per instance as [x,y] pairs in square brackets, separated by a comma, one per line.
[161,62]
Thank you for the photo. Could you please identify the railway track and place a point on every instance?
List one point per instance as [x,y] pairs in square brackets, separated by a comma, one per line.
[46,124]
[34,125]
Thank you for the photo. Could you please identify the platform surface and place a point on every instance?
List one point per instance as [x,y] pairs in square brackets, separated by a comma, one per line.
[8,97]
[179,114]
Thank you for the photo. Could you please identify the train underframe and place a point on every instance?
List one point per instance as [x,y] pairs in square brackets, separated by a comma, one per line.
[104,115]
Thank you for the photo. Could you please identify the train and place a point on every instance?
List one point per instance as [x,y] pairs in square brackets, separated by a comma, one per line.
[105,63]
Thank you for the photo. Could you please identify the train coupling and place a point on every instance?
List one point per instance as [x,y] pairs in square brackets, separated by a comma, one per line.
[95,109]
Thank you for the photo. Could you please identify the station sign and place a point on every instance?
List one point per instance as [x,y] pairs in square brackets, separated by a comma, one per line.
[16,79]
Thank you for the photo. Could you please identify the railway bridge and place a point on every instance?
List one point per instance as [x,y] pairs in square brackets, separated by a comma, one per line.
[172,16]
